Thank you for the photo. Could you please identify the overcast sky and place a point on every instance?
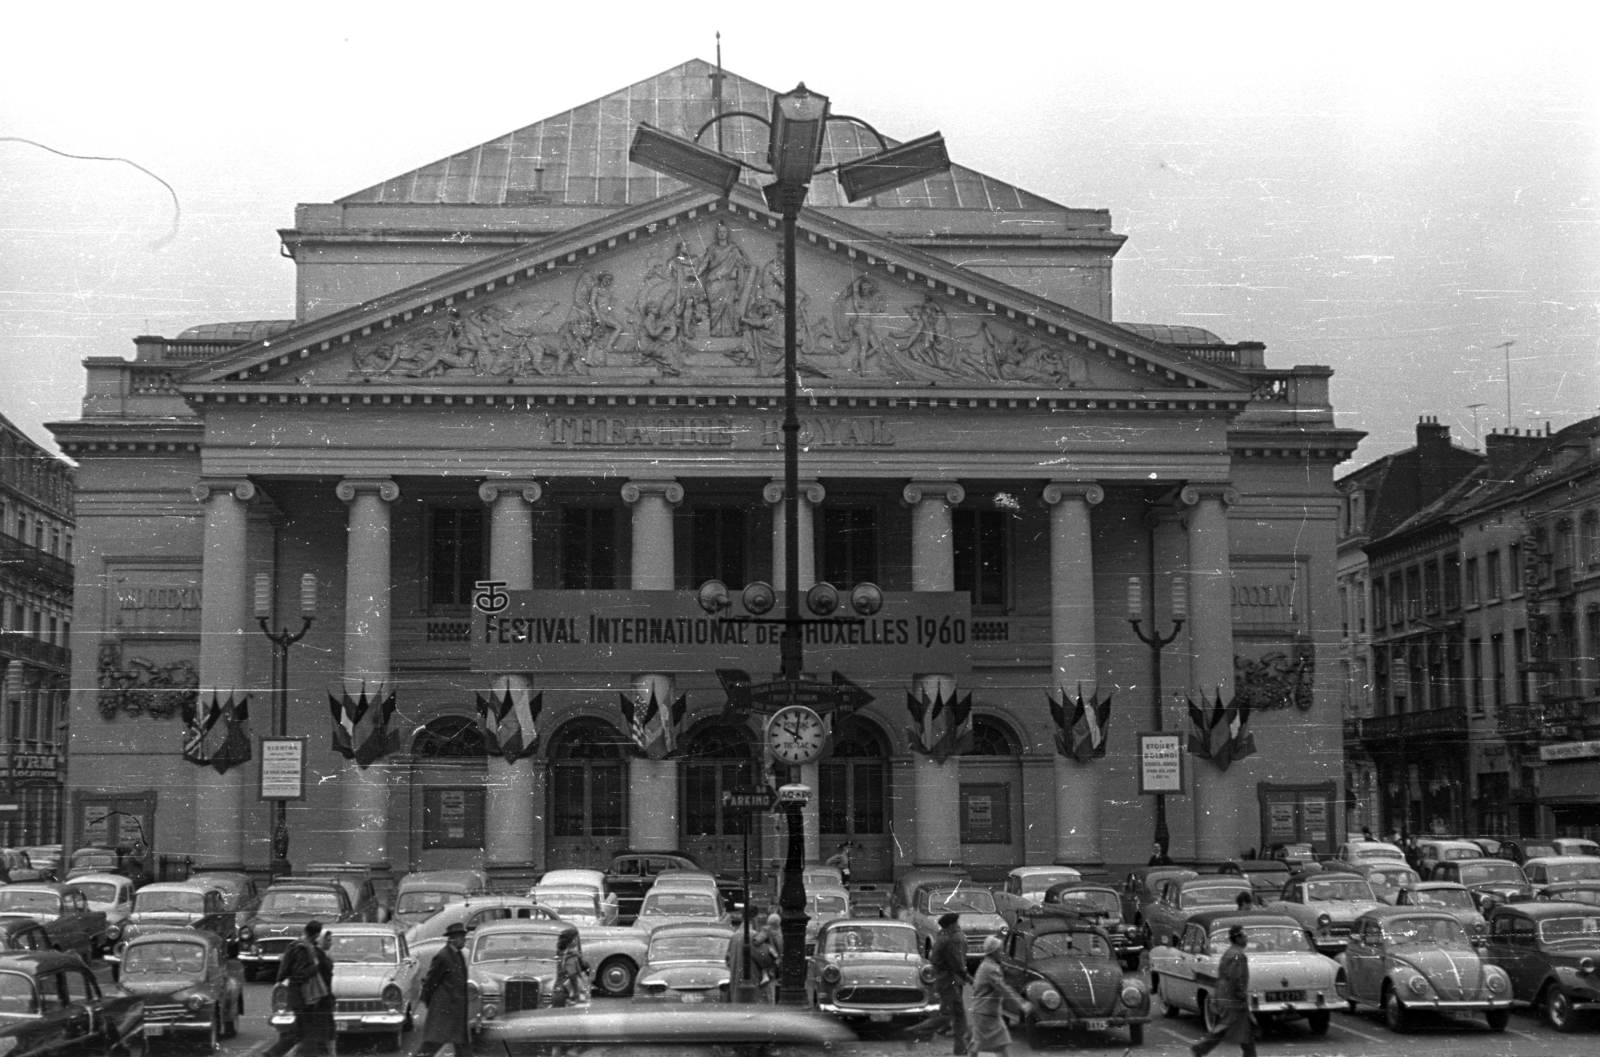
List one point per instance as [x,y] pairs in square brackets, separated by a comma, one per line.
[1389,190]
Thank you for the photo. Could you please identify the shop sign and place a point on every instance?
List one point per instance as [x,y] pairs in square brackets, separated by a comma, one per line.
[1569,750]
[667,631]
[1161,763]
[20,766]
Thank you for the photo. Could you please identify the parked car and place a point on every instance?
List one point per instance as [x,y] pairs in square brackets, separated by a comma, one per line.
[1576,846]
[1432,852]
[1554,869]
[240,893]
[1359,851]
[175,905]
[368,902]
[18,867]
[594,879]
[821,876]
[631,873]
[50,997]
[1572,892]
[422,894]
[1141,887]
[822,906]
[1489,880]
[1295,854]
[1100,905]
[109,893]
[191,988]
[581,906]
[1550,951]
[1520,851]
[1386,876]
[1065,968]
[128,860]
[511,967]
[23,934]
[1326,905]
[869,971]
[1451,898]
[375,983]
[673,904]
[904,893]
[1177,898]
[979,917]
[47,858]
[1289,978]
[1405,960]
[281,919]
[426,939]
[1490,846]
[63,912]
[686,962]
[1032,882]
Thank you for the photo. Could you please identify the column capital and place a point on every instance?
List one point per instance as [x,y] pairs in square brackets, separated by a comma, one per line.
[1192,494]
[242,488]
[1088,491]
[811,491]
[668,489]
[917,491]
[489,491]
[383,487]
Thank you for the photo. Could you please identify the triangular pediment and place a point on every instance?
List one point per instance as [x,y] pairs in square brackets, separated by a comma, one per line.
[688,290]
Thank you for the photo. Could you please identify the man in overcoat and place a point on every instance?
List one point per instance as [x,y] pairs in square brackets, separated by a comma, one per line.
[444,991]
[949,960]
[300,964]
[991,997]
[1231,1002]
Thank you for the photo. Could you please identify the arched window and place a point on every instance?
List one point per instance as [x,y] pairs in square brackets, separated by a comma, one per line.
[717,759]
[587,739]
[858,739]
[450,738]
[718,741]
[992,737]
[588,788]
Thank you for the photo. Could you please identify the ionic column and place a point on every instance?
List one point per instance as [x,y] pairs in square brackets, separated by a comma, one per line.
[1072,652]
[513,793]
[224,625]
[653,784]
[937,786]
[367,658]
[811,493]
[1221,797]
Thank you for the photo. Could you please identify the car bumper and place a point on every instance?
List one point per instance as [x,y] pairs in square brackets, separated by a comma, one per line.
[177,1027]
[351,1023]
[1062,1020]
[1477,1005]
[670,997]
[1288,1009]
[877,1014]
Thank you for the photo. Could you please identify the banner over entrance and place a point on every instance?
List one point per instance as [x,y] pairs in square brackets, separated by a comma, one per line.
[667,631]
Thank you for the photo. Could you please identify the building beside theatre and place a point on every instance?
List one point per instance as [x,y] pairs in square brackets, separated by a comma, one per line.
[533,364]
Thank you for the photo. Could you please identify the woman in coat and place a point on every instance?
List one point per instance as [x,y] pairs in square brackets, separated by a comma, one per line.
[990,996]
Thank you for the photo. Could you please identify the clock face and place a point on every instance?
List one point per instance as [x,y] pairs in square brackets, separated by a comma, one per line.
[795,734]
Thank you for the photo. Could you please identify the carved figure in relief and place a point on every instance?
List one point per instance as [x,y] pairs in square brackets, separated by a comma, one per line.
[659,311]
[856,312]
[723,272]
[1022,359]
[434,348]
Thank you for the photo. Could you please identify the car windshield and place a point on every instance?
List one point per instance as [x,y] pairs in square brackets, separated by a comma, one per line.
[1442,897]
[679,904]
[164,958]
[1398,877]
[832,905]
[961,901]
[1584,929]
[1538,851]
[1299,852]
[1211,896]
[1040,882]
[514,947]
[1105,904]
[1078,944]
[148,902]
[297,903]
[1573,871]
[1263,938]
[1426,932]
[425,901]
[1579,895]
[569,905]
[687,949]
[16,994]
[1339,891]
[1488,872]
[96,859]
[1573,846]
[366,950]
[95,891]
[857,938]
[26,902]
[1380,853]
[1452,854]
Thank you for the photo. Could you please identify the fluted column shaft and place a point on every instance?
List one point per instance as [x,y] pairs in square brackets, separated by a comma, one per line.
[653,784]
[937,786]
[1072,653]
[1221,798]
[811,494]
[514,792]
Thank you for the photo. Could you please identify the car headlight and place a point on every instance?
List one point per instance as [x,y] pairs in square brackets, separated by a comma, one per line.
[830,974]
[490,1011]
[1418,985]
[247,934]
[1050,999]
[1497,983]
[114,933]
[1585,966]
[927,974]
[1323,921]
[393,999]
[1132,995]
[196,1002]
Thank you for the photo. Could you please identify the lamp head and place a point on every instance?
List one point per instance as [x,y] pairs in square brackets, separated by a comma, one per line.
[895,167]
[799,121]
[683,159]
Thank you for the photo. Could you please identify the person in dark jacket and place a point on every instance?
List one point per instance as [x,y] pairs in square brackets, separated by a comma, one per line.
[949,961]
[300,965]
[1231,1000]
[315,1023]
[444,991]
[1159,856]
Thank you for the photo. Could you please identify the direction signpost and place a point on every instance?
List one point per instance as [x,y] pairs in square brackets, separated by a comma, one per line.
[751,801]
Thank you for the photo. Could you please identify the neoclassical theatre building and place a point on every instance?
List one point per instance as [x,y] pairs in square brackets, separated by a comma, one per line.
[536,364]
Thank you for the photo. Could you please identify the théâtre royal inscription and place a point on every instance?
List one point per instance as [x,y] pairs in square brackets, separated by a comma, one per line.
[710,431]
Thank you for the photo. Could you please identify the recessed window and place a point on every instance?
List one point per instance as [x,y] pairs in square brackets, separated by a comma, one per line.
[717,545]
[455,554]
[589,548]
[849,546]
[979,538]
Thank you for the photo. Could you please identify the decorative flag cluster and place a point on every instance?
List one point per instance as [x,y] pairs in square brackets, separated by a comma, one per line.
[1220,737]
[653,726]
[361,722]
[1084,736]
[214,733]
[940,728]
[509,715]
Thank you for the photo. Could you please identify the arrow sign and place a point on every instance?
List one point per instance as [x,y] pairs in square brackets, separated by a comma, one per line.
[849,696]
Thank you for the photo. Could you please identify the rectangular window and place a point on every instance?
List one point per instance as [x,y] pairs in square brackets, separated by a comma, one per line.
[1519,650]
[1430,587]
[1452,581]
[1397,600]
[589,548]
[1497,665]
[1475,660]
[1380,604]
[68,554]
[717,546]
[1491,575]
[1361,607]
[849,546]
[1344,610]
[456,558]
[452,818]
[986,813]
[1469,581]
[1413,593]
[52,640]
[979,539]
[1514,569]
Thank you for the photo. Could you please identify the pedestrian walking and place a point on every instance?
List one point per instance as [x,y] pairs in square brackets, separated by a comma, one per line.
[991,996]
[572,972]
[841,859]
[318,1030]
[300,970]
[768,946]
[444,992]
[949,960]
[1230,1003]
[742,970]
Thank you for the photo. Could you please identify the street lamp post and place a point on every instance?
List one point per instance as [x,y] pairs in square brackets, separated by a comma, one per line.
[1157,642]
[281,640]
[797,127]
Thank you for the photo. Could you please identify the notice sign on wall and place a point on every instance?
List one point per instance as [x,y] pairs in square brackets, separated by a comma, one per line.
[1280,822]
[1160,763]
[283,768]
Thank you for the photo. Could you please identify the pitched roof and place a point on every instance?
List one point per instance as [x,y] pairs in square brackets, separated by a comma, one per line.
[580,156]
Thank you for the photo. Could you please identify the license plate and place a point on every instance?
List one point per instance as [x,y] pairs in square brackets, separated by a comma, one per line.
[879,1018]
[1285,996]
[695,997]
[1096,1025]
[154,1029]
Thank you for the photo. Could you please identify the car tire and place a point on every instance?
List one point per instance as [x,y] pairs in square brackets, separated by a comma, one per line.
[212,1042]
[1203,1004]
[1558,1011]
[1499,1019]
[1135,1034]
[1394,1012]
[1168,1009]
[1317,1021]
[615,977]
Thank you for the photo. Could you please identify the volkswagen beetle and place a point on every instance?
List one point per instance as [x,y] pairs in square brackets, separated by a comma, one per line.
[686,962]
[868,970]
[1065,967]
[1406,960]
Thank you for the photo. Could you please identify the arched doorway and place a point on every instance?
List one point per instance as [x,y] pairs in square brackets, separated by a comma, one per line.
[588,788]
[718,758]
[990,810]
[448,755]
[853,800]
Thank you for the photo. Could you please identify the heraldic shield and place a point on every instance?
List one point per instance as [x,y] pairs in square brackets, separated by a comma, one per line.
[361,716]
[509,717]
[215,730]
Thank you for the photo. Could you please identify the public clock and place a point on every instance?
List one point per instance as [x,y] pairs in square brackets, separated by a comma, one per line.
[795,734]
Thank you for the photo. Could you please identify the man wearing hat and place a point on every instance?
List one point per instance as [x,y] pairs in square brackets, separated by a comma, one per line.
[1231,1000]
[444,991]
[949,960]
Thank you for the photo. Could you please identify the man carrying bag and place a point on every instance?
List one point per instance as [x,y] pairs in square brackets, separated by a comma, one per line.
[300,970]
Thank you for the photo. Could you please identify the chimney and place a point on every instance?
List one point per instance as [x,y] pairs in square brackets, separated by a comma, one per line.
[1509,450]
[1433,459]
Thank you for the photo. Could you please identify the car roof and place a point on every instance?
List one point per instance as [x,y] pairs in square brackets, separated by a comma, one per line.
[828,890]
[17,922]
[1033,871]
[1145,873]
[198,887]
[1435,886]
[363,928]
[1385,913]
[99,878]
[326,884]
[1554,860]
[35,962]
[1210,919]
[544,926]
[58,887]
[692,928]
[841,923]
[1541,909]
[1459,842]
[1079,886]
[207,939]
[1205,880]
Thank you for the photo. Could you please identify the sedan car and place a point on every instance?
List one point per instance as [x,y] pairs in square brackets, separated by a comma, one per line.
[632,872]
[591,879]
[174,905]
[1358,851]
[1551,951]
[1453,899]
[1178,898]
[1032,882]
[1557,868]
[1406,960]
[869,971]
[63,912]
[1142,886]
[1385,876]
[1065,968]
[1432,852]
[191,989]
[821,877]
[1265,876]
[1489,880]
[281,919]
[49,998]
[422,894]
[426,939]
[511,967]
[1326,905]
[824,904]
[1099,904]
[1576,846]
[1289,979]
[1572,892]
[686,963]
[109,893]
[375,983]
[672,905]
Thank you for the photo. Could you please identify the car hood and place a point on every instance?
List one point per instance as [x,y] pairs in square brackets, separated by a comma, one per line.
[982,924]
[1455,975]
[164,918]
[1272,970]
[1344,911]
[693,976]
[1090,986]
[150,985]
[492,978]
[650,924]
[351,979]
